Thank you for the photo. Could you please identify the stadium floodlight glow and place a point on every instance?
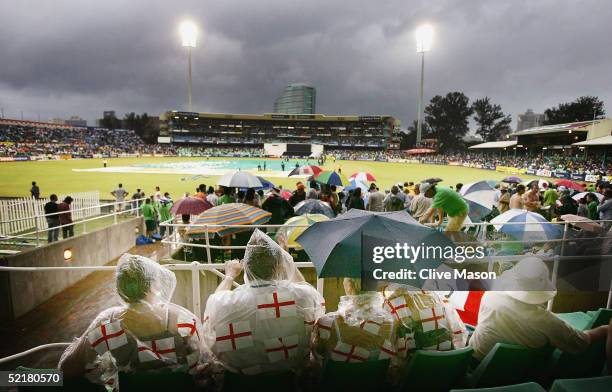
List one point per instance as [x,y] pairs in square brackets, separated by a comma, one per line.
[189,33]
[424,36]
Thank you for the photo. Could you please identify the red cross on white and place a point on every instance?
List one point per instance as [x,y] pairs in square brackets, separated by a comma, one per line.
[107,337]
[281,348]
[276,305]
[157,350]
[398,307]
[433,318]
[233,336]
[309,321]
[387,350]
[349,353]
[187,326]
[371,326]
[324,326]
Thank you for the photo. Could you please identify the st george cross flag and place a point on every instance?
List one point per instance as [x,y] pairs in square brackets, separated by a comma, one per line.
[324,326]
[282,348]
[433,318]
[371,326]
[387,351]
[276,304]
[157,350]
[233,336]
[398,307]
[187,326]
[348,353]
[107,337]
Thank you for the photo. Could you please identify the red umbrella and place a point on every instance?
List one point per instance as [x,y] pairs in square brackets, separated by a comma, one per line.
[190,206]
[570,184]
[285,194]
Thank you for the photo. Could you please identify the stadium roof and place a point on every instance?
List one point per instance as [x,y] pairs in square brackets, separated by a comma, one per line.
[576,126]
[600,141]
[502,144]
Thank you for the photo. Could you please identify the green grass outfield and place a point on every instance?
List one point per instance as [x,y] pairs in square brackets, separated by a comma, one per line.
[58,177]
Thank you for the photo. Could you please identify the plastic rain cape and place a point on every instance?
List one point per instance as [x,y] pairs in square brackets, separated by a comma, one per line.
[147,333]
[265,325]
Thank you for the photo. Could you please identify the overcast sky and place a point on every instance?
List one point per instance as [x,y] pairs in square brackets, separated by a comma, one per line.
[62,58]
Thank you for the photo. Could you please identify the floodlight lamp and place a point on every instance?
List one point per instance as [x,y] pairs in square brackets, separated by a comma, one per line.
[424,37]
[189,32]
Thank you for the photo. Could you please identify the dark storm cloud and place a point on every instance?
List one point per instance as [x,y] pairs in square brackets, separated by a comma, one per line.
[73,57]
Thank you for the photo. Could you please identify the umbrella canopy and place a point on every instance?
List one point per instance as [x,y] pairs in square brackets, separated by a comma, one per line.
[227,214]
[354,184]
[296,226]
[313,206]
[265,185]
[433,180]
[190,206]
[307,170]
[542,184]
[285,194]
[570,184]
[492,183]
[476,210]
[363,177]
[580,195]
[512,180]
[335,246]
[526,226]
[331,178]
[480,192]
[240,179]
[583,223]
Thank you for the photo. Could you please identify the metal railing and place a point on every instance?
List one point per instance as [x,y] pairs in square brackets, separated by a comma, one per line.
[133,208]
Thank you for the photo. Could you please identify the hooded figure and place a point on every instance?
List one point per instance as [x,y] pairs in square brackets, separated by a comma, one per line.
[263,326]
[147,333]
[360,330]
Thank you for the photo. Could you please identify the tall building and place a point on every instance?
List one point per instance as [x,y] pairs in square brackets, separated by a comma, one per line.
[529,119]
[298,98]
[76,121]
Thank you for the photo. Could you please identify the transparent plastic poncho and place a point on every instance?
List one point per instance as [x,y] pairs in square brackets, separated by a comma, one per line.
[265,325]
[147,333]
[360,330]
[426,320]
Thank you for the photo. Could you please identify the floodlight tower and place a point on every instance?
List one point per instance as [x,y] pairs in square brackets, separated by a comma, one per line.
[424,36]
[189,32]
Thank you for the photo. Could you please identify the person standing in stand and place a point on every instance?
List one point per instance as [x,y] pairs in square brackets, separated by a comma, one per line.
[53,220]
[35,190]
[65,219]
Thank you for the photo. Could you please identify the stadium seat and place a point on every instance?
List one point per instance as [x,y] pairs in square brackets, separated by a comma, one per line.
[76,385]
[264,382]
[589,363]
[525,387]
[437,370]
[578,320]
[509,364]
[358,376]
[162,381]
[596,384]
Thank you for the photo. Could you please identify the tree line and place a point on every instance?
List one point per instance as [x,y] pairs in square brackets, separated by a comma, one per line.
[142,124]
[447,119]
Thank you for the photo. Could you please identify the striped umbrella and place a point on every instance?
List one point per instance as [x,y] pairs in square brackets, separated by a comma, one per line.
[526,226]
[190,206]
[580,195]
[296,226]
[307,170]
[480,192]
[354,184]
[363,177]
[331,178]
[227,214]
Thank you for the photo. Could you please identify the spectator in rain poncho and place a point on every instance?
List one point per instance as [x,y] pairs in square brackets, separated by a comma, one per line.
[263,326]
[147,333]
[360,330]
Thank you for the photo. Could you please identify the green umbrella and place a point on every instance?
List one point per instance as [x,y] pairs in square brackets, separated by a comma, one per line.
[336,247]
[332,178]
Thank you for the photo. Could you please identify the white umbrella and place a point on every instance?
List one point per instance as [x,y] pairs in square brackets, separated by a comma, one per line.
[239,179]
[580,195]
[526,226]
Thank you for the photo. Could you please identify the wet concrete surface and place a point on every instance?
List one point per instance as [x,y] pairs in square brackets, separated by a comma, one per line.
[65,316]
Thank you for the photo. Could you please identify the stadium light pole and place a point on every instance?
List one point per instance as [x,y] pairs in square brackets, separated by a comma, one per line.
[424,35]
[189,32]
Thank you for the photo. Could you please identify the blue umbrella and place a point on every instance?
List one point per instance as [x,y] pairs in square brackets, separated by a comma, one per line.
[356,184]
[335,246]
[265,185]
[526,226]
[480,197]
